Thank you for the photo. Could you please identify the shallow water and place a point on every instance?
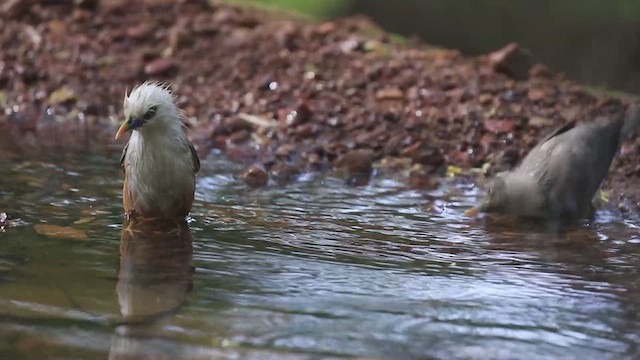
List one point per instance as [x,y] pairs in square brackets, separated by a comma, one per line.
[315,270]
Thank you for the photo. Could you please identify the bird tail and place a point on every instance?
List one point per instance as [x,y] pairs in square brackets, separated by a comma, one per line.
[631,122]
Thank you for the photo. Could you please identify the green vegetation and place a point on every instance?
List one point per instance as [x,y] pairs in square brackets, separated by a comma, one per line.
[318,9]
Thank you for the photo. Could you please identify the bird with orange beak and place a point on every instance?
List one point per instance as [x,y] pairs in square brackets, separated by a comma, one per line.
[159,162]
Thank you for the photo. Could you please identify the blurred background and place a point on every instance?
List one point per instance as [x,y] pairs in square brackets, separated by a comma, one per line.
[595,42]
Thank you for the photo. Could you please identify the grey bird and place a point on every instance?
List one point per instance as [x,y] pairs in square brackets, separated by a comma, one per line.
[560,176]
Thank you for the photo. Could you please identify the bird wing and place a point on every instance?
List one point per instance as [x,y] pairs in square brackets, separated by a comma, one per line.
[194,157]
[124,153]
[562,129]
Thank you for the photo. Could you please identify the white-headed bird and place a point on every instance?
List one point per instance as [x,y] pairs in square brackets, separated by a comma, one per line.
[159,161]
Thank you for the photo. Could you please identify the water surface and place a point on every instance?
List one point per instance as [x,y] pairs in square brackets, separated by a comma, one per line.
[313,270]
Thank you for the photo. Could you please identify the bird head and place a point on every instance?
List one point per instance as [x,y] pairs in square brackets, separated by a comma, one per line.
[149,106]
[495,198]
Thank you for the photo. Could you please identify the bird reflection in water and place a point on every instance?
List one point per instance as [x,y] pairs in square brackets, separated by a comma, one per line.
[154,278]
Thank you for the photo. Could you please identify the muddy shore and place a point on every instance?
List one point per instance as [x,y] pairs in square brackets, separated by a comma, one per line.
[286,95]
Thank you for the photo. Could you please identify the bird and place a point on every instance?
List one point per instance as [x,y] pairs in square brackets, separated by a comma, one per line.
[559,177]
[159,161]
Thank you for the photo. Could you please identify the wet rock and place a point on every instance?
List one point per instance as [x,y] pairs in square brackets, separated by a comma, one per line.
[160,66]
[355,162]
[60,232]
[423,153]
[255,176]
[422,178]
[283,173]
[511,60]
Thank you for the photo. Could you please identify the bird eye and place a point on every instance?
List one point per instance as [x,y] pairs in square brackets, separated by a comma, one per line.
[151,112]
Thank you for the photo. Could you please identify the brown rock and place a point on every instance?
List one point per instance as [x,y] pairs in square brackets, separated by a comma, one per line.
[285,150]
[536,94]
[355,162]
[511,60]
[160,66]
[283,173]
[240,136]
[255,176]
[389,94]
[421,178]
[138,32]
[300,115]
[540,71]
[499,126]
[422,153]
[58,28]
[540,122]
[15,9]
[325,28]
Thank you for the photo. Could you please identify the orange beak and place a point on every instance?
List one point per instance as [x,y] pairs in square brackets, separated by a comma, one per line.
[123,129]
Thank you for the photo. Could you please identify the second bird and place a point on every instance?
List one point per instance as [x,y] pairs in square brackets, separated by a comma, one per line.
[560,176]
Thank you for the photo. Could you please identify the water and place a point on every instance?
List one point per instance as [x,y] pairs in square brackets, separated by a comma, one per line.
[313,270]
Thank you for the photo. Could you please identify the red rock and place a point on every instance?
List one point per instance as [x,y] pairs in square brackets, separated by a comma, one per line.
[138,32]
[536,94]
[499,126]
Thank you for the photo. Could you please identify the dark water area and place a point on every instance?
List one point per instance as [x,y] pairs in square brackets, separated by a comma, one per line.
[594,42]
[313,270]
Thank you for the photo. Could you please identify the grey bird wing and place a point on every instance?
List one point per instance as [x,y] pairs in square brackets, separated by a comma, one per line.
[537,161]
[194,157]
[571,163]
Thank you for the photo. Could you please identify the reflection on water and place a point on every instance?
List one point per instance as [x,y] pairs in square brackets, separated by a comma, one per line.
[315,269]
[154,278]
